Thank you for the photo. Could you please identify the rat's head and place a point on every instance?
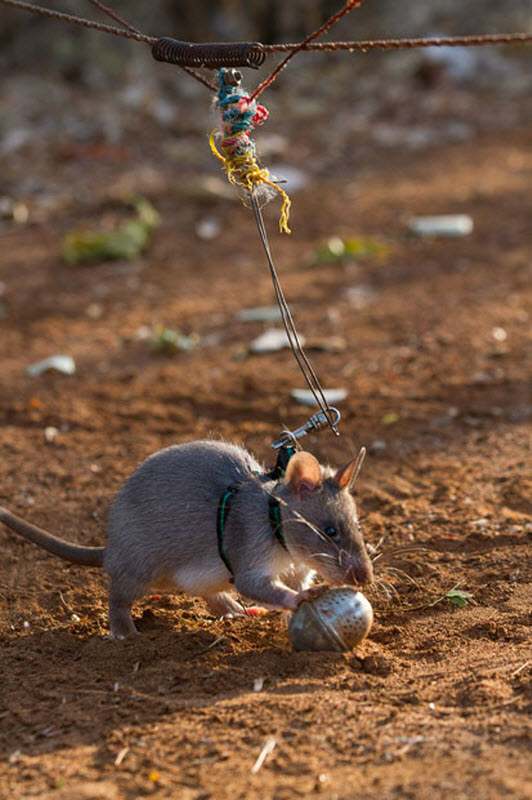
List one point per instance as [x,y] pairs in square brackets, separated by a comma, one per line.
[321,522]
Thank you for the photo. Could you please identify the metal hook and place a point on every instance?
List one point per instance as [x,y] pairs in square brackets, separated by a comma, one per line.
[314,423]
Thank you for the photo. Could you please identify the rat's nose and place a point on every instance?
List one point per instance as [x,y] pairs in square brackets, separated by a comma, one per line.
[360,572]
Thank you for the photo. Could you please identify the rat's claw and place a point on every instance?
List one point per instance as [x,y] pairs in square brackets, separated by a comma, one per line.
[312,593]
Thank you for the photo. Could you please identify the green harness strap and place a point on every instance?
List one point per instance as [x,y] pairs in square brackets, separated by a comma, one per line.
[224,506]
[274,507]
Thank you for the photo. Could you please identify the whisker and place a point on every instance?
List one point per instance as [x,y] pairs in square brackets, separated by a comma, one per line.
[322,555]
[402,573]
[385,588]
[400,550]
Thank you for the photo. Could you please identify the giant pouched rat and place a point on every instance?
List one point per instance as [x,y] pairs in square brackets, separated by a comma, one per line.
[162,531]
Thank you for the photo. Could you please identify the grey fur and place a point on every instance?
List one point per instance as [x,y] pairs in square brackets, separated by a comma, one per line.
[162,534]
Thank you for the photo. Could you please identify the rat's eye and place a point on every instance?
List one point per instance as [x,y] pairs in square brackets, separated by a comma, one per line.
[331,532]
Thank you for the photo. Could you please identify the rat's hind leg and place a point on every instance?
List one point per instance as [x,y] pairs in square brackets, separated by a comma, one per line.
[121,598]
[224,604]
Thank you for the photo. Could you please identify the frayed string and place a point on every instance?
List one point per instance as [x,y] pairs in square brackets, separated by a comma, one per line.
[237,151]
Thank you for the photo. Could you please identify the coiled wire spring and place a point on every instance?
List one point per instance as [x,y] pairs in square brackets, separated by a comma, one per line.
[212,56]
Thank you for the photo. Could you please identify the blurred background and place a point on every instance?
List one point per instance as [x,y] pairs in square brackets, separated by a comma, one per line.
[62,84]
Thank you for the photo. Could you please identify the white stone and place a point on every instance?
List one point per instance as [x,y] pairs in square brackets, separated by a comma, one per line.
[306,398]
[450,225]
[59,363]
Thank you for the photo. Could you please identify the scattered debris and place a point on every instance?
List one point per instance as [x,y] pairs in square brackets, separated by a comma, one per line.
[14,210]
[271,341]
[258,684]
[75,618]
[443,225]
[306,398]
[15,756]
[329,344]
[60,363]
[377,446]
[94,311]
[126,242]
[352,249]
[268,748]
[259,314]
[459,597]
[50,434]
[121,755]
[360,296]
[390,418]
[210,646]
[499,334]
[168,342]
[208,229]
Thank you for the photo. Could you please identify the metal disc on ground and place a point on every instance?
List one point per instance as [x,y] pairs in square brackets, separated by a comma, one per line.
[338,619]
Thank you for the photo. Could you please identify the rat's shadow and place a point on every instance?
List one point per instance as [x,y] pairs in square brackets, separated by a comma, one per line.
[60,691]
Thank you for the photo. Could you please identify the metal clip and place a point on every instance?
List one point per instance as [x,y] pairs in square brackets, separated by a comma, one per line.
[314,423]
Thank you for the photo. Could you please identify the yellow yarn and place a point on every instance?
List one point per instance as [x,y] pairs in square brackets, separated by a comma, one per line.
[244,170]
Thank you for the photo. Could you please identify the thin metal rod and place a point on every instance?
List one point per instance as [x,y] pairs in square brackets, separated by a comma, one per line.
[294,341]
[86,23]
[405,44]
[114,15]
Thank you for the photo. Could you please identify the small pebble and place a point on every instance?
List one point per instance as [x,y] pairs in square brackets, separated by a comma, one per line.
[442,225]
[50,434]
[208,229]
[260,314]
[499,334]
[377,446]
[94,311]
[21,213]
[306,398]
[360,296]
[271,341]
[60,363]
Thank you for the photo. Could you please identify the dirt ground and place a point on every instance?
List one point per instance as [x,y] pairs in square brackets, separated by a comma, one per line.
[436,359]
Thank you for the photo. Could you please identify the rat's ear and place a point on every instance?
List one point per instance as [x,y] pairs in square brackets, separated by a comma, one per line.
[303,473]
[346,476]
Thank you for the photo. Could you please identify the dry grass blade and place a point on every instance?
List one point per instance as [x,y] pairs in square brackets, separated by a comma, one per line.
[268,748]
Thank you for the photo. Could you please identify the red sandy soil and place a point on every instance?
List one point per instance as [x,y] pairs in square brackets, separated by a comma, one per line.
[434,704]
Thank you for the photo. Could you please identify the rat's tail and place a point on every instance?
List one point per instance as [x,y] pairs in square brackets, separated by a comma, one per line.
[87,556]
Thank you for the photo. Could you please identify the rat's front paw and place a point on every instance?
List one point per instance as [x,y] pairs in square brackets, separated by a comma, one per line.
[312,593]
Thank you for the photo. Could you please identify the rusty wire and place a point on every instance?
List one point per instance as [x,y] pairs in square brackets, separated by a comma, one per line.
[86,23]
[127,31]
[405,44]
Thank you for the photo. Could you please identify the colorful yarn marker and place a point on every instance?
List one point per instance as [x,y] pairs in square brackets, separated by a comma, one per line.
[237,150]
